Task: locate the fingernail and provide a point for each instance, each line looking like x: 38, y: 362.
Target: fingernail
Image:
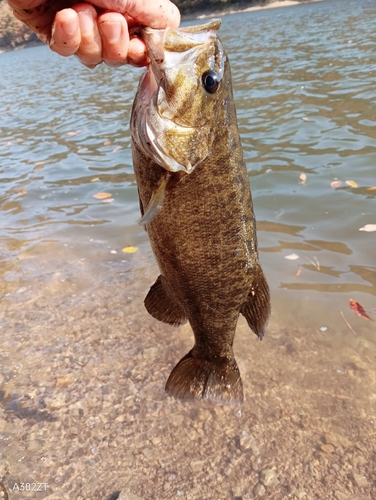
x: 69, y: 26
x: 111, y: 30
x: 86, y: 22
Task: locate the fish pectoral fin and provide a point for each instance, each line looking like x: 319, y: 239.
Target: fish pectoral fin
x: 162, y: 307
x: 197, y: 378
x: 156, y: 201
x: 256, y: 309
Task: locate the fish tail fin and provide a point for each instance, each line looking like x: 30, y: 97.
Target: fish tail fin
x: 197, y: 378
x: 256, y: 309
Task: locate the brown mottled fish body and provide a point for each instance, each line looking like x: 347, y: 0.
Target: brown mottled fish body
x: 197, y: 208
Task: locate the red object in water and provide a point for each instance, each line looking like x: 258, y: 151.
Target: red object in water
x: 358, y: 309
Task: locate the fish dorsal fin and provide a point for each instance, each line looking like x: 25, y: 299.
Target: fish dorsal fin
x: 183, y: 39
x: 213, y: 24
x: 256, y: 309
x: 156, y: 201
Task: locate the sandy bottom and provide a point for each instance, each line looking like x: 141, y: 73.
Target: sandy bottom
x: 83, y: 409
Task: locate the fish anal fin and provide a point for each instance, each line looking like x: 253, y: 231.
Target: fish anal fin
x: 162, y: 307
x: 256, y: 309
x: 197, y: 378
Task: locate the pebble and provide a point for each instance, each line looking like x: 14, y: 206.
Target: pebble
x: 128, y: 495
x: 259, y: 490
x: 268, y: 478
x: 55, y: 401
x: 341, y: 496
x: 360, y: 480
x: 247, y: 441
x: 337, y: 440
x: 197, y: 465
x: 327, y: 448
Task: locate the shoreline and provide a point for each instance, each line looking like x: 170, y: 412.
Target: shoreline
x: 239, y: 8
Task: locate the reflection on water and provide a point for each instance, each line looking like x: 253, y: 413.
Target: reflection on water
x: 82, y: 365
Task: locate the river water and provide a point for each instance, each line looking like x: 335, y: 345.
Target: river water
x: 82, y: 365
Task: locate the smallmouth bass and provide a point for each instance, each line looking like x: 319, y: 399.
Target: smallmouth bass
x: 196, y: 206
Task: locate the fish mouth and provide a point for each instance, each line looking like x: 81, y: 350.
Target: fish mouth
x: 165, y: 46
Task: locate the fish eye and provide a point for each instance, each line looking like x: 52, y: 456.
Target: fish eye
x: 210, y: 81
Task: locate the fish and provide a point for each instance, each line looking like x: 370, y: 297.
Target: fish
x: 196, y: 207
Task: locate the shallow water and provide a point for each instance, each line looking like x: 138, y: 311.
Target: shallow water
x: 82, y: 365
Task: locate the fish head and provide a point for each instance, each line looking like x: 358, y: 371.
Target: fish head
x: 174, y: 117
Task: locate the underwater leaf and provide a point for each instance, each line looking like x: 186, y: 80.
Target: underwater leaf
x: 108, y: 200
x: 129, y: 249
x: 369, y: 228
x: 292, y: 256
x: 107, y: 143
x: 352, y: 184
x: 336, y: 184
x: 373, y: 188
x: 95, y: 179
x: 116, y: 149
x: 22, y: 192
x: 358, y: 309
x: 102, y: 196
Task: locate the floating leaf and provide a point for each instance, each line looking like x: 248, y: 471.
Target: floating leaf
x: 116, y: 149
x: 298, y: 272
x: 336, y: 184
x: 102, y: 196
x: 107, y: 143
x: 95, y: 179
x: 74, y: 133
x: 358, y: 309
x: 373, y: 188
x: 292, y: 256
x: 108, y: 200
x: 113, y: 251
x: 352, y: 184
x: 305, y: 119
x: 129, y: 249
x: 302, y: 178
x: 22, y: 192
x: 369, y: 228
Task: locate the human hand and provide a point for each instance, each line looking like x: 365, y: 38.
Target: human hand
x: 99, y: 31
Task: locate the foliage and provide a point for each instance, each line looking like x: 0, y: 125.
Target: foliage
x: 13, y: 33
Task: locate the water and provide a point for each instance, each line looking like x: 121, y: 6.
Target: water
x: 82, y: 364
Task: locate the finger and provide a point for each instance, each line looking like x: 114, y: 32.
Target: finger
x: 66, y: 34
x: 90, y: 50
x: 113, y: 29
x: 154, y: 13
x: 137, y: 54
